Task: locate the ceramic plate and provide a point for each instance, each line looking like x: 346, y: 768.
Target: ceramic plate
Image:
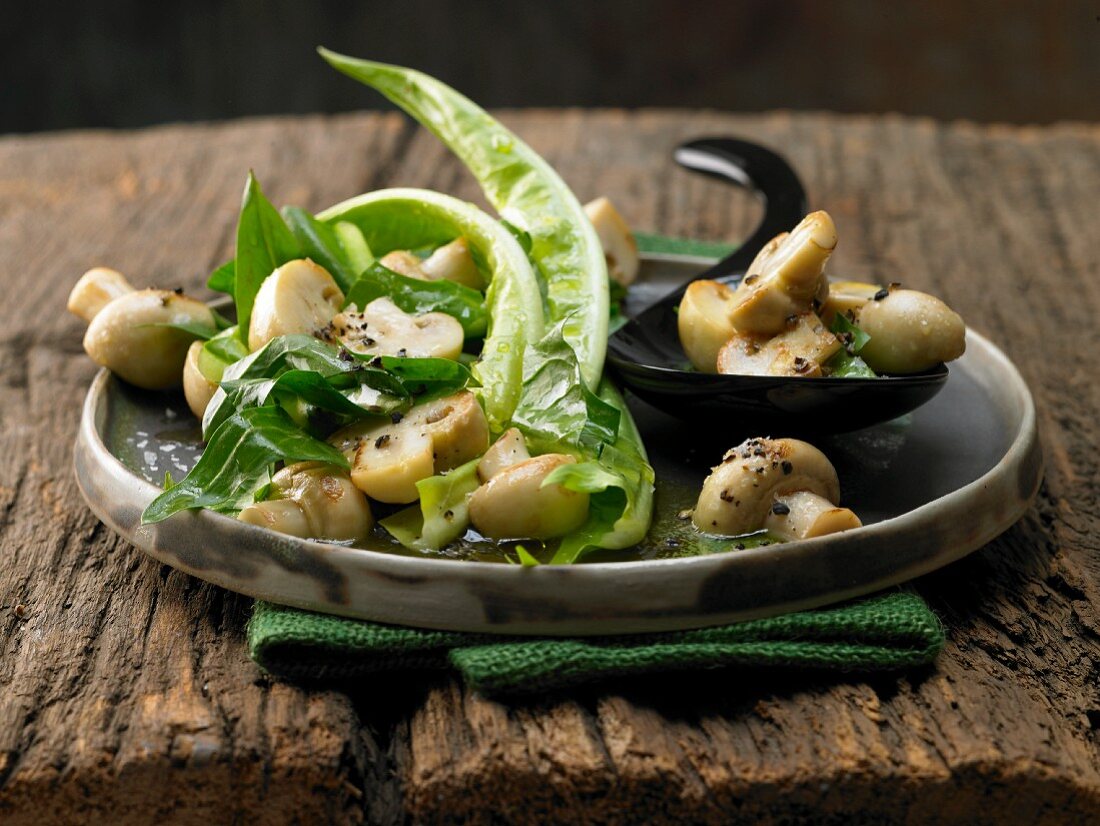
x: 930, y: 488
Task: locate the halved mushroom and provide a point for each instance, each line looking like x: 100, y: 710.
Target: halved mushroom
x: 313, y: 500
x: 847, y: 298
x: 703, y: 320
x: 97, y: 288
x: 513, y: 502
x: 754, y: 481
x: 619, y: 247
x: 803, y: 515
x: 197, y: 388
x: 910, y: 331
x: 388, y: 459
x: 785, y: 278
x: 298, y: 297
x: 129, y: 337
x: 384, y: 329
x: 800, y: 350
x: 451, y: 262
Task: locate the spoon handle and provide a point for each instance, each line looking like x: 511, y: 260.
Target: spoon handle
x: 760, y: 170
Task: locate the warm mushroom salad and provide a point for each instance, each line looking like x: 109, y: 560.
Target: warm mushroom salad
x: 786, y: 319
x: 405, y: 366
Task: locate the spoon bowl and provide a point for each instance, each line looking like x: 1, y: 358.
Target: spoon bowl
x: 647, y: 357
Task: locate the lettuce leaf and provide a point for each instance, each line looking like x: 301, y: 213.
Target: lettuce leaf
x: 443, y: 513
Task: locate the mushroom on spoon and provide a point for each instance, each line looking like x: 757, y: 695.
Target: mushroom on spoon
x: 647, y: 355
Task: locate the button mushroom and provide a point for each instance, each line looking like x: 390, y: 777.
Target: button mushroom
x: 619, y: 247
x: 313, y: 500
x: 786, y: 277
x: 197, y: 388
x: 513, y: 502
x: 385, y: 329
x: 785, y: 485
x: 389, y: 459
x: 97, y: 288
x: 800, y: 350
x: 451, y: 262
x: 298, y: 297
x: 703, y: 320
x: 129, y: 336
x: 910, y: 331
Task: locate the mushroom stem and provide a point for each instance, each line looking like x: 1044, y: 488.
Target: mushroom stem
x: 803, y: 515
x: 97, y: 288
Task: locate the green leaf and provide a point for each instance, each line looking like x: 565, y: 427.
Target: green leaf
x: 525, y: 557
x: 851, y: 336
x: 425, y: 375
x: 237, y: 462
x: 219, y: 352
x: 523, y: 188
x: 620, y: 488
x: 411, y: 218
x: 320, y: 243
x: 354, y: 245
x: 412, y: 295
x: 556, y: 410
x: 846, y: 366
x: 194, y: 328
x: 264, y: 243
x: 224, y: 278
x: 443, y: 513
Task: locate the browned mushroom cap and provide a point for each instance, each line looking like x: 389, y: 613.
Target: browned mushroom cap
x: 619, y: 247
x: 313, y: 500
x: 515, y: 504
x: 800, y: 350
x: 389, y: 458
x: 910, y: 331
x: 298, y: 297
x: 129, y: 336
x: 703, y: 321
x: 739, y: 493
x: 785, y: 278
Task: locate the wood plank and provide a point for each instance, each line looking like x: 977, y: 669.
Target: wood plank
x: 120, y: 678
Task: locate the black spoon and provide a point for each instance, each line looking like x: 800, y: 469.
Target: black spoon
x: 647, y: 357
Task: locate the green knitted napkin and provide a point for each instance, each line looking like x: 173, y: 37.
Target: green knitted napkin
x: 889, y: 632
x: 892, y: 631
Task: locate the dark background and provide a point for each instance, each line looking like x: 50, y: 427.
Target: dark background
x: 126, y: 64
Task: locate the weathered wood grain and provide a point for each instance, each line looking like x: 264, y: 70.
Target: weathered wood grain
x: 125, y: 689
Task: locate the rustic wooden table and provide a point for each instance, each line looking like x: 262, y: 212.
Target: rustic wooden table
x: 127, y: 696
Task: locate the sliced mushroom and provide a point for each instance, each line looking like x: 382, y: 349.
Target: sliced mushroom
x: 298, y: 297
x: 389, y: 459
x: 619, y: 247
x: 95, y: 290
x: 451, y: 262
x: 454, y: 262
x: 847, y: 298
x: 510, y: 449
x: 384, y: 329
x: 786, y: 278
x: 515, y: 504
x: 910, y: 331
x: 803, y: 515
x: 129, y: 337
x: 800, y: 350
x: 740, y: 493
x: 703, y: 320
x: 197, y: 388
x: 313, y: 500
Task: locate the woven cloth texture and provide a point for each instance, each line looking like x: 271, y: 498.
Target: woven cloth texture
x: 893, y: 631
x: 889, y: 632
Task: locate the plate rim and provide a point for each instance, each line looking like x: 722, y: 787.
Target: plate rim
x: 1023, y: 454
